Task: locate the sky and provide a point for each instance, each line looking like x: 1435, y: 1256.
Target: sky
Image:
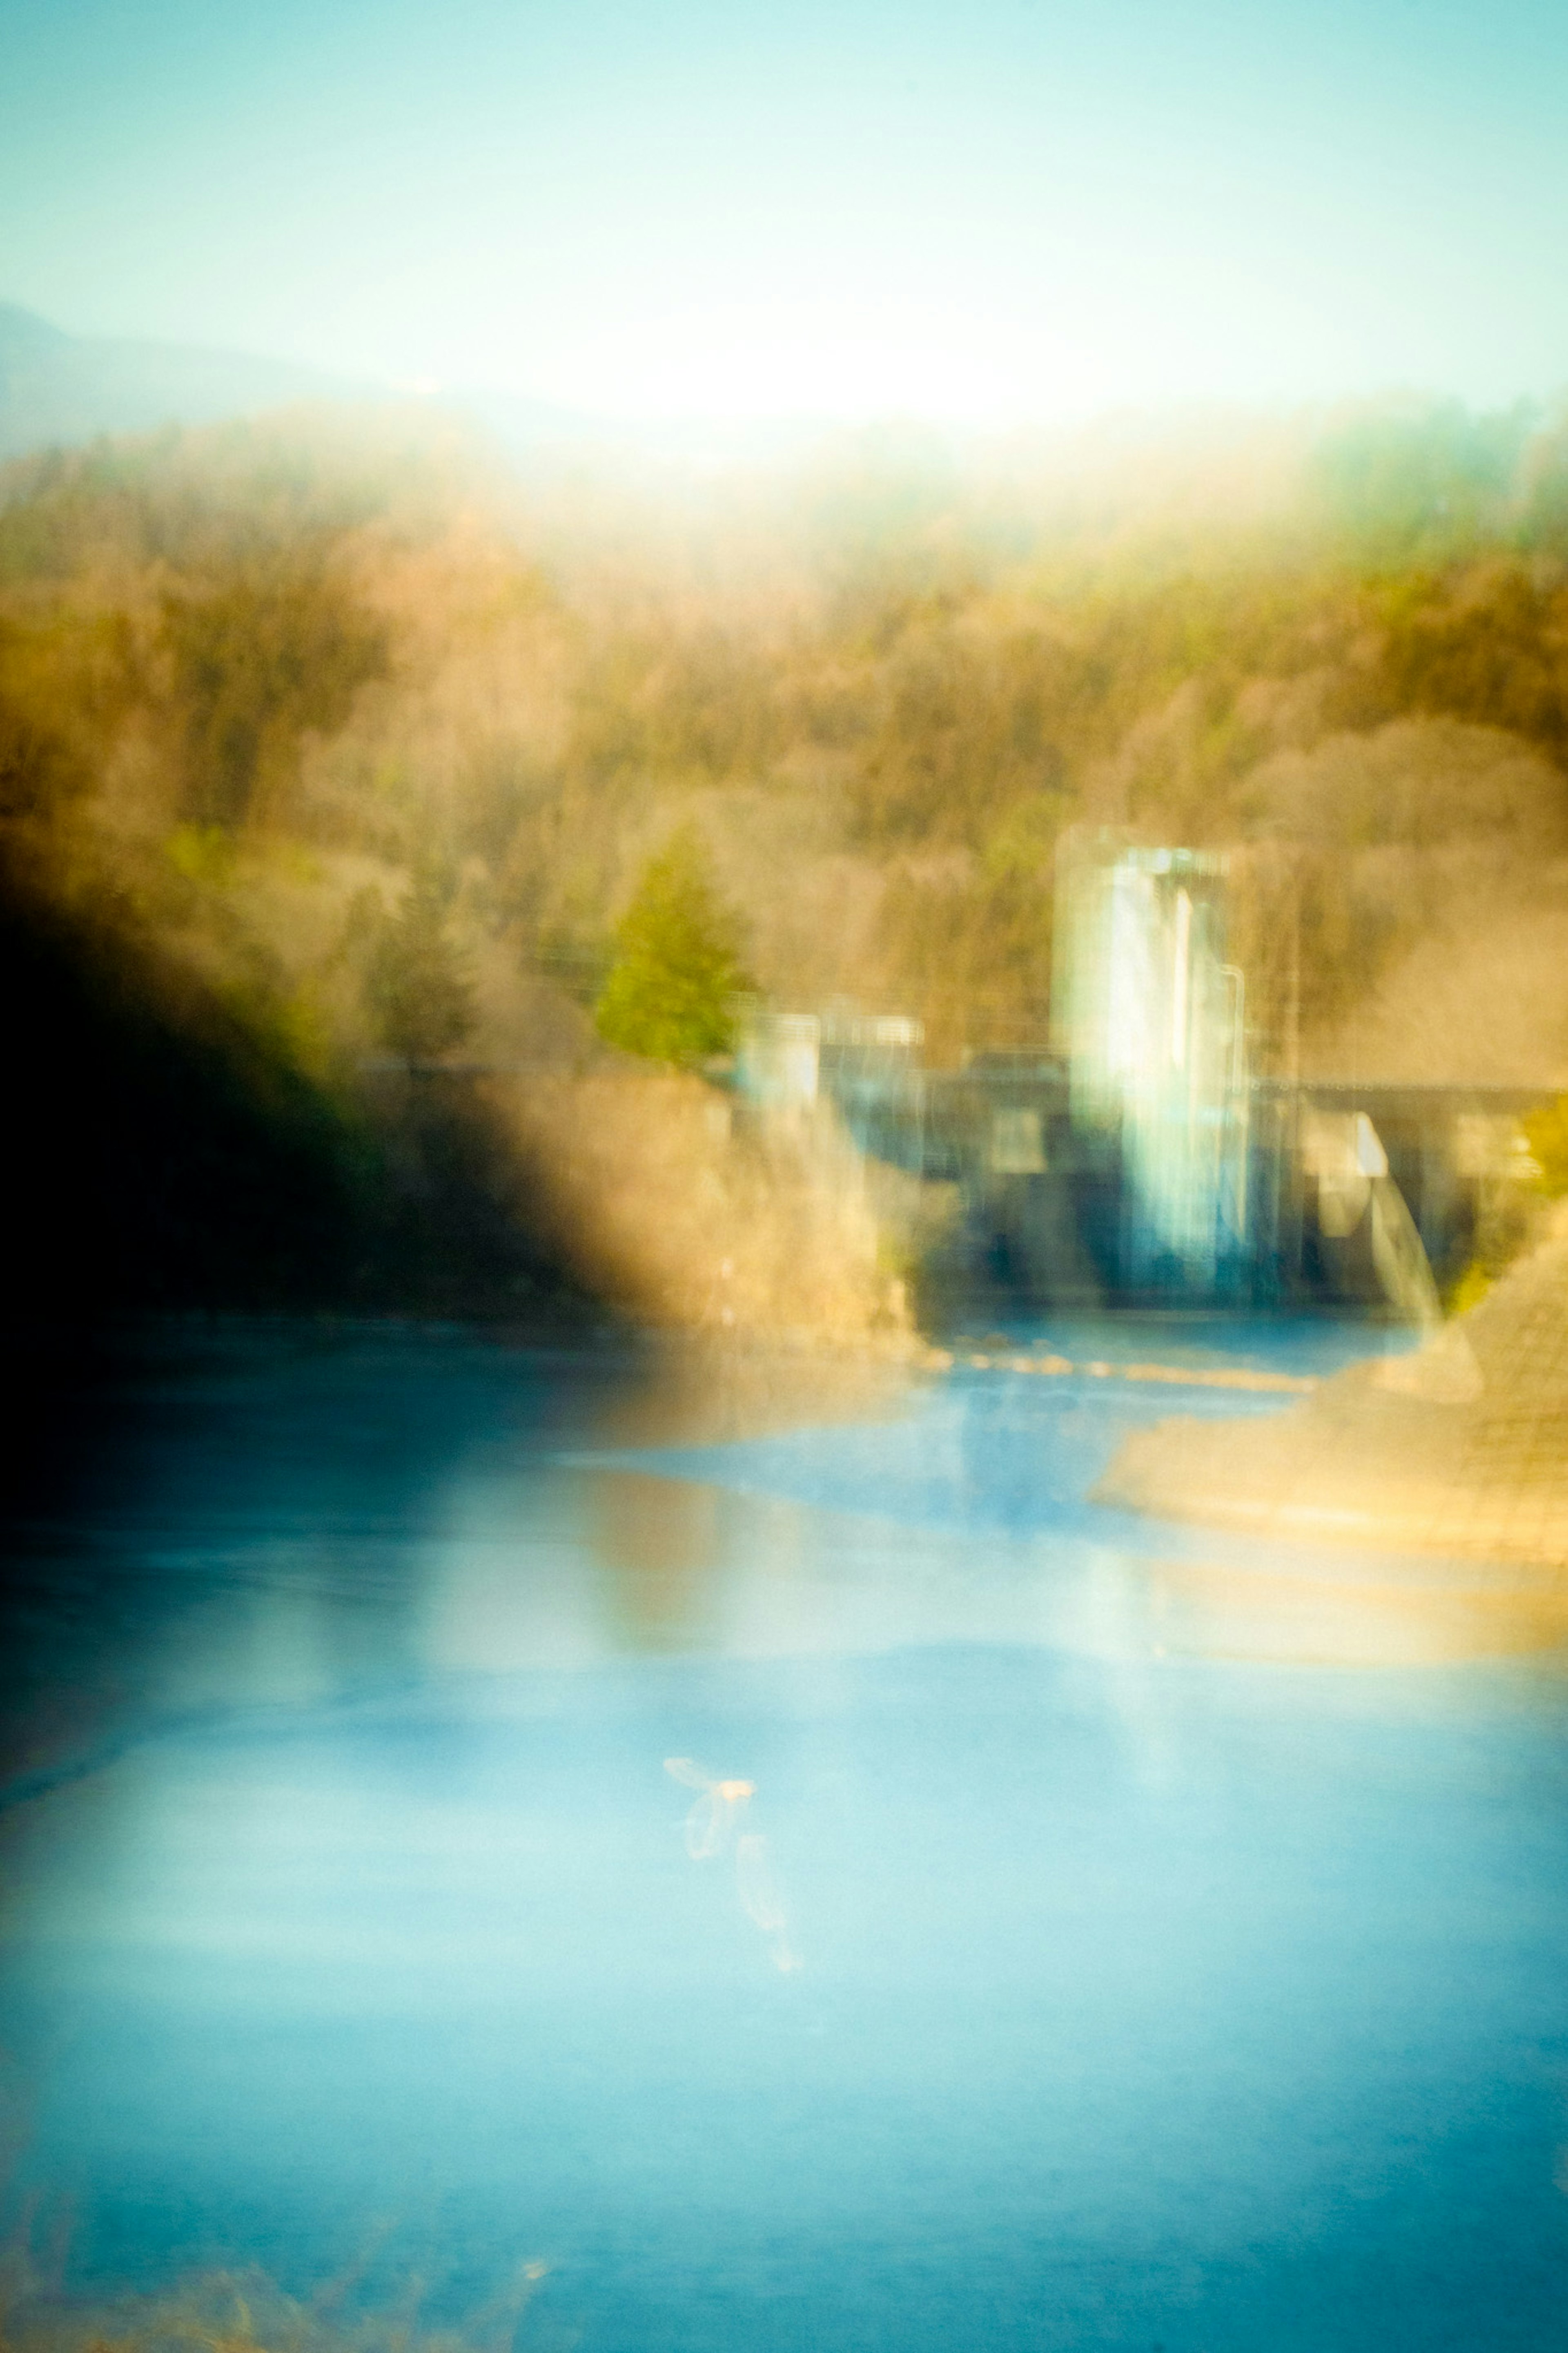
x: 1014, y: 211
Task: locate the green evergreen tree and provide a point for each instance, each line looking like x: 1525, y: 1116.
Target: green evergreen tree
x: 418, y: 992
x: 1547, y: 1133
x: 671, y: 990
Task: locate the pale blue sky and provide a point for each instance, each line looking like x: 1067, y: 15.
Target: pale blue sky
x: 1018, y: 210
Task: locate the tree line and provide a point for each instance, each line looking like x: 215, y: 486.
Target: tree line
x: 383, y: 756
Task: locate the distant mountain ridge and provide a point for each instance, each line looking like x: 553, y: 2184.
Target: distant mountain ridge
x: 56, y: 387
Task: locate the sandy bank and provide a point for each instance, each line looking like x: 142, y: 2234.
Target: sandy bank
x: 1460, y: 1450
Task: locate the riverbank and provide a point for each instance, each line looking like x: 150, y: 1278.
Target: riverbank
x: 1460, y: 1450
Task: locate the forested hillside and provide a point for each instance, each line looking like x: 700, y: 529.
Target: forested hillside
x: 337, y: 744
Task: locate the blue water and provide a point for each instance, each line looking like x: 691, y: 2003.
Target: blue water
x: 1130, y: 1938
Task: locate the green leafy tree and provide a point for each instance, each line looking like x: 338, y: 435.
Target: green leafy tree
x: 418, y: 993
x: 1547, y: 1133
x: 671, y: 990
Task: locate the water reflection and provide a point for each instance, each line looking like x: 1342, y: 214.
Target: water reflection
x: 1139, y: 1966
x: 282, y: 1519
x: 660, y: 1540
x: 709, y: 1394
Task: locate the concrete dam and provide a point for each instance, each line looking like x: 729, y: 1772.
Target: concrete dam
x: 1134, y: 1156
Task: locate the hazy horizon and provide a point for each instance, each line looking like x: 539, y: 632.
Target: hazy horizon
x: 1186, y: 431
x: 679, y: 214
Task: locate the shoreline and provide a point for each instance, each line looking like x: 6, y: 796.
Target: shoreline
x: 1460, y: 1450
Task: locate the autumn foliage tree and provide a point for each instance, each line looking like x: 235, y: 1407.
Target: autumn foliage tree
x: 258, y: 659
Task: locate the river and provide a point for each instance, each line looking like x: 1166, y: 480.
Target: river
x: 1056, y: 1930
